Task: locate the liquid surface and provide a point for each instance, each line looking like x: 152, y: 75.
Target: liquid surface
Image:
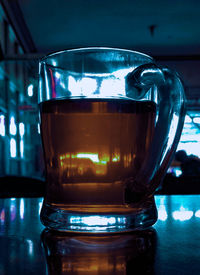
x: 92, y: 147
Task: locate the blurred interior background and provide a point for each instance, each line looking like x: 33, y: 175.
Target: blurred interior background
x: 167, y: 30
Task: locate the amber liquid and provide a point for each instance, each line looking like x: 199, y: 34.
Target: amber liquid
x: 92, y: 147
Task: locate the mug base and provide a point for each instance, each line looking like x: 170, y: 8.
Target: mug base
x: 64, y: 220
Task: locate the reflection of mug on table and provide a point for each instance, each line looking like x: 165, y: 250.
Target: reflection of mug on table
x: 110, y: 122
x: 116, y: 254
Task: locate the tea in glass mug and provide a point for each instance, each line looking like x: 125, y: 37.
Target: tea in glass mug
x: 111, y: 120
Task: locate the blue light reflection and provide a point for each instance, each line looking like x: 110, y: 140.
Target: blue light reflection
x: 2, y: 216
x: 97, y: 220
x: 182, y: 214
x: 30, y: 247
x: 21, y: 209
x: 13, y: 210
x: 178, y: 208
x: 98, y: 223
x: 197, y: 214
x: 162, y: 213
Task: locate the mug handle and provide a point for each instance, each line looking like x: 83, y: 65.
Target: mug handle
x: 168, y: 127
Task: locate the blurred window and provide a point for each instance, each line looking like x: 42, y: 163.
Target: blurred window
x: 190, y: 138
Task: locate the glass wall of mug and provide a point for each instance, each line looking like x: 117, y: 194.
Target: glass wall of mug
x: 111, y: 120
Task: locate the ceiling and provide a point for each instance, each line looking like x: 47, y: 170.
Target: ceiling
x: 155, y: 27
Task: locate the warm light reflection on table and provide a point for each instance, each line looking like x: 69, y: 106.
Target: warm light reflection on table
x: 176, y: 251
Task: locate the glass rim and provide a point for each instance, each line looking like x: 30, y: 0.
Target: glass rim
x: 88, y: 49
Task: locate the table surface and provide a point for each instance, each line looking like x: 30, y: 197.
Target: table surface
x: 171, y: 246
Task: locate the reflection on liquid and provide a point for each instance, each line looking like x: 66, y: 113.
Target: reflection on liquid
x: 97, y: 163
x: 92, y: 254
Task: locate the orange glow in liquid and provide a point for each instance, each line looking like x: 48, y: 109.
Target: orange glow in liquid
x: 92, y: 146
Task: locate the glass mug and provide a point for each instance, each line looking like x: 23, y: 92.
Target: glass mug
x: 111, y: 120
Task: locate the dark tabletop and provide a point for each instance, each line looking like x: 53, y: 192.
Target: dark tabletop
x: 171, y: 246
